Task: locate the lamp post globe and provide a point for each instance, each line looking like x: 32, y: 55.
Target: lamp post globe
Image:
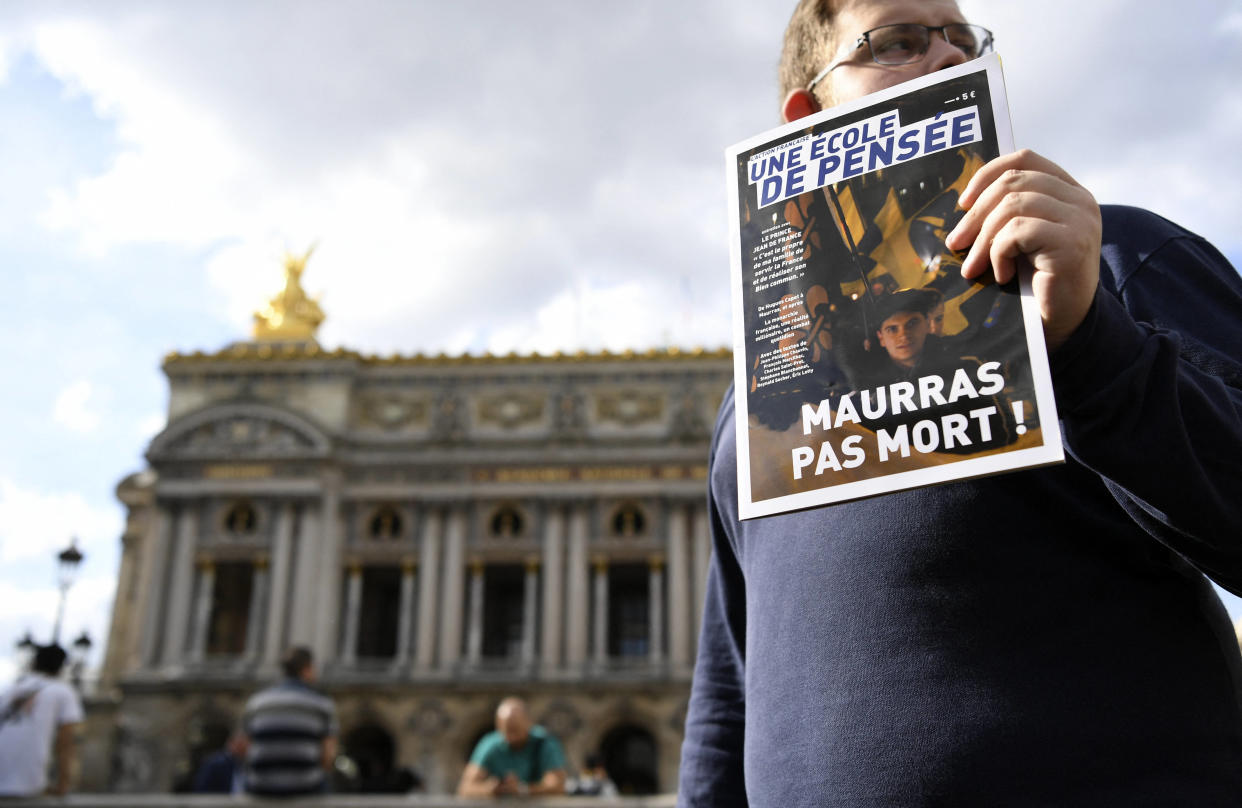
x: 68, y: 561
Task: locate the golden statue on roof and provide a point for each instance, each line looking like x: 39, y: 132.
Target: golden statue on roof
x: 290, y: 315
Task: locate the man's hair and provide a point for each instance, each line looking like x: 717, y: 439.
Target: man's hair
x: 513, y: 704
x: 807, y: 36
x: 49, y: 659
x: 915, y: 301
x: 296, y: 660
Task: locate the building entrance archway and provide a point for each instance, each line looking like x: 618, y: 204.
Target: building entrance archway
x: 373, y: 751
x: 630, y: 757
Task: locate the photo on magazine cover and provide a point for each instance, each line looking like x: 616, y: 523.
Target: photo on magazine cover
x: 866, y: 362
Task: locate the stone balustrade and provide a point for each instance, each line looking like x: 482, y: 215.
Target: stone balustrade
x: 336, y: 801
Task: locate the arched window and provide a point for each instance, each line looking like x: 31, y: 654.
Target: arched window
x: 385, y: 524
x: 373, y: 751
x: 628, y: 521
x: 629, y: 754
x: 241, y: 519
x: 507, y: 523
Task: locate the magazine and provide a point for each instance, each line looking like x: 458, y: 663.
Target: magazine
x: 864, y: 363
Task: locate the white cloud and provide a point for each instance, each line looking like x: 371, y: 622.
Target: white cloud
x: 88, y: 608
x: 27, y: 603
x: 6, y: 56
x: 447, y: 204
x: 150, y: 426
x: 34, y: 527
x: 613, y: 319
x: 179, y: 164
x: 72, y: 408
x: 38, y: 524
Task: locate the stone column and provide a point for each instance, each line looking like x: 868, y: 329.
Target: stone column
x: 353, y: 612
x: 578, y: 605
x: 154, y: 583
x: 177, y: 618
x: 529, y: 605
x: 202, y: 608
x: 118, y: 656
x: 273, y: 635
x: 454, y: 562
x: 655, y: 610
x: 600, y: 648
x: 405, y: 612
x: 305, y: 580
x: 424, y: 657
x: 127, y: 641
x: 679, y: 590
x: 702, y: 557
x: 474, y: 639
x: 327, y: 600
x: 258, y: 606
x: 553, y: 594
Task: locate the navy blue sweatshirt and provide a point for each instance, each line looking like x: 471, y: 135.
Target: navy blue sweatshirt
x: 1039, y: 638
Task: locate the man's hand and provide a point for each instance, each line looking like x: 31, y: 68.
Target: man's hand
x: 510, y: 785
x: 1022, y: 209
x: 327, y: 753
x: 65, y: 750
x: 476, y: 782
x: 553, y: 782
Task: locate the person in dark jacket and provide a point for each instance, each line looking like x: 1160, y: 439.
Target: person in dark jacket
x: 1045, y: 637
x: 223, y: 771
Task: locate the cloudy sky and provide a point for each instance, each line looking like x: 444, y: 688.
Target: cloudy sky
x: 478, y: 176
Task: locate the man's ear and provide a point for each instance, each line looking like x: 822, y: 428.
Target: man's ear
x: 798, y: 104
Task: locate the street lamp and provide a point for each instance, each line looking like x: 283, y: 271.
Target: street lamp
x: 67, y: 566
x: 67, y: 563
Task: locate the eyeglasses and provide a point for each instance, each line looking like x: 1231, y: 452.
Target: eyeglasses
x: 907, y: 42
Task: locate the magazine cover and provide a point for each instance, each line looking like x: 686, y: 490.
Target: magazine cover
x: 863, y: 362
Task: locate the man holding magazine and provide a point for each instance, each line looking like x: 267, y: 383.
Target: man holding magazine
x: 1045, y: 637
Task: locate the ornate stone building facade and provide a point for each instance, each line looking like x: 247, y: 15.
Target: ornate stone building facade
x: 441, y: 531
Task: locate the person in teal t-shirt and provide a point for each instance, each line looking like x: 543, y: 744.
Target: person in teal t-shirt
x: 519, y: 757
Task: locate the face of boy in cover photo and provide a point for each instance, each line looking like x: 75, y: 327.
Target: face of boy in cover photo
x: 903, y: 336
x: 935, y: 319
x: 860, y: 75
